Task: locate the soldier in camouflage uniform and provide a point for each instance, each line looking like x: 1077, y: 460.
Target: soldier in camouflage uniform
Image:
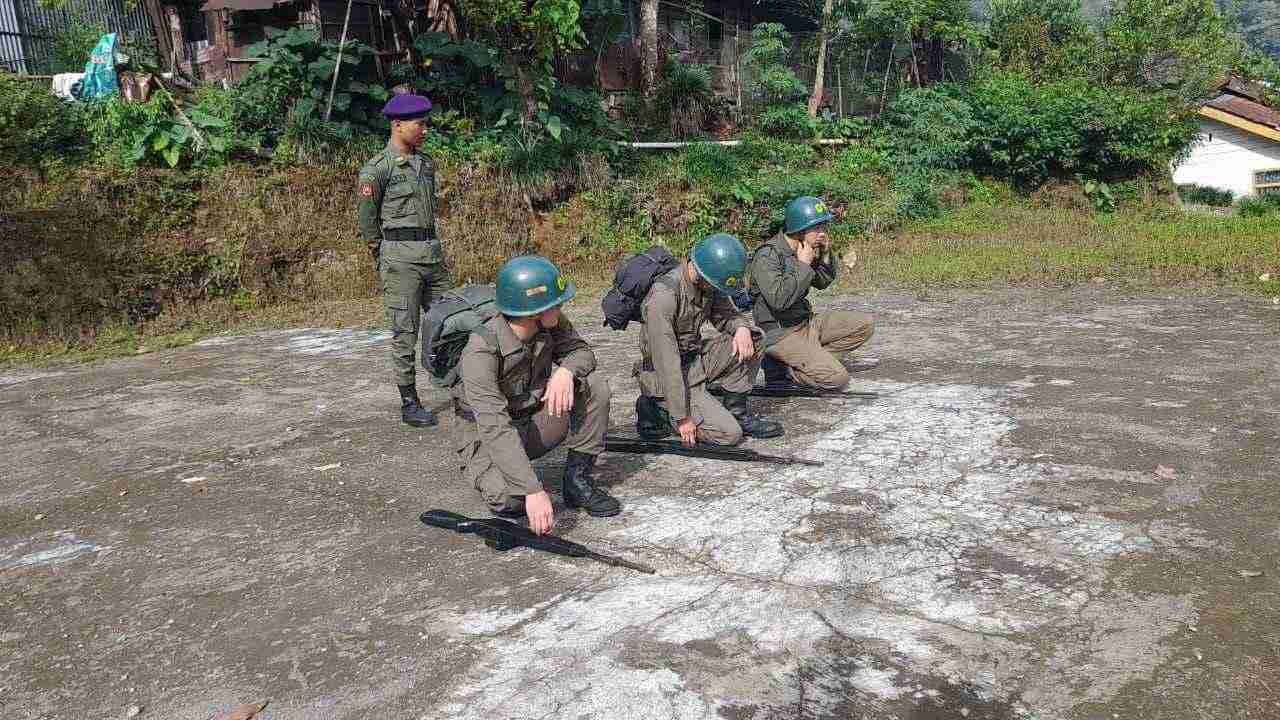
x: 695, y: 387
x: 397, y: 207
x: 529, y: 383
x: 801, y: 343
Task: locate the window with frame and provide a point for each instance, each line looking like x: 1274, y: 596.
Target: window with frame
x: 1267, y: 182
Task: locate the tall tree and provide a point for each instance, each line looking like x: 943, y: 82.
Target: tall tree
x: 820, y: 71
x: 648, y: 47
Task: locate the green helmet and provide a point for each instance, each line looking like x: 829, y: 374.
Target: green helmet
x: 529, y: 284
x: 805, y: 212
x: 721, y: 260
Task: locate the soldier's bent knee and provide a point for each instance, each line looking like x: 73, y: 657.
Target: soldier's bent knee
x: 598, y: 386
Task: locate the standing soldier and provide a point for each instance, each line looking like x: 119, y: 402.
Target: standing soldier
x: 800, y: 342
x: 679, y: 371
x: 398, y: 222
x: 528, y: 384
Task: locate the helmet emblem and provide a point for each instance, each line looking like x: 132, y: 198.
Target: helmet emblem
x: 560, y: 282
x: 731, y: 281
x: 820, y: 207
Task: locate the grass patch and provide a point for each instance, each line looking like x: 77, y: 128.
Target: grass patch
x: 990, y: 245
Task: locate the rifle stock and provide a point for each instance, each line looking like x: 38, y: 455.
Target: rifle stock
x: 443, y: 519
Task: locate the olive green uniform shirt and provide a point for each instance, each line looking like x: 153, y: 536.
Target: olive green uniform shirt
x: 780, y: 283
x: 399, y: 191
x: 496, y: 398
x: 673, y: 314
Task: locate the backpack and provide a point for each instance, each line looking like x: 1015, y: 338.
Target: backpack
x: 631, y: 284
x: 448, y: 326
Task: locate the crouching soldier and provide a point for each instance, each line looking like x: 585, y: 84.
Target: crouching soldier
x: 679, y: 371
x: 800, y: 342
x: 528, y: 384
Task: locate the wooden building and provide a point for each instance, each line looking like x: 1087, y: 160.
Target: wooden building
x: 216, y: 38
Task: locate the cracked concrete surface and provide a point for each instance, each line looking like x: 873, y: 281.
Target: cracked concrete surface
x: 237, y: 520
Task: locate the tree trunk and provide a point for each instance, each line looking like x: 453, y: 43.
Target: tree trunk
x: 648, y: 47
x: 525, y: 84
x: 820, y: 72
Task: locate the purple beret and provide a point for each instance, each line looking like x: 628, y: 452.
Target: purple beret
x: 406, y: 107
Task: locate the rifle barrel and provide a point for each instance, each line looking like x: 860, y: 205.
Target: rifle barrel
x: 615, y: 443
x: 619, y: 562
x: 770, y: 391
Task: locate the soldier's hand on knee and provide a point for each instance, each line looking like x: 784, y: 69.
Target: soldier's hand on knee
x: 542, y: 516
x: 688, y: 431
x: 560, y: 393
x: 743, y: 345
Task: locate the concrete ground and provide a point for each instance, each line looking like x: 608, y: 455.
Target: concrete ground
x: 1064, y: 505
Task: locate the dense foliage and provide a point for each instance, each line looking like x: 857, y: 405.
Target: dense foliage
x: 35, y: 126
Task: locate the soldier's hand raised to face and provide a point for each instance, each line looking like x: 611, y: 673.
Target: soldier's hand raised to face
x: 560, y: 392
x: 742, y: 344
x: 806, y: 252
x: 542, y: 517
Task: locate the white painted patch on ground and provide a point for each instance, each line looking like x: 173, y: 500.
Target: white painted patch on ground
x: 217, y: 341
x: 26, y: 376
x: 915, y: 570
x: 61, y: 547
x: 331, y: 342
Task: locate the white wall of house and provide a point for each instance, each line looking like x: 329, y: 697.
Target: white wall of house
x: 1227, y: 158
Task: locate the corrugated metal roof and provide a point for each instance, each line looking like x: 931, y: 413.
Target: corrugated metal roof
x: 1247, y: 109
x: 238, y: 5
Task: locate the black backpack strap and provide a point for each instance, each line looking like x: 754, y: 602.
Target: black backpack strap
x: 492, y: 338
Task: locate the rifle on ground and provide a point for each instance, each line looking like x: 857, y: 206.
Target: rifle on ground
x: 617, y: 443
x: 503, y: 535
x: 789, y: 391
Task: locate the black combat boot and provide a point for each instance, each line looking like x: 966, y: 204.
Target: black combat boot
x: 411, y: 410
x: 775, y: 373
x: 581, y: 492
x: 752, y: 425
x: 653, y: 422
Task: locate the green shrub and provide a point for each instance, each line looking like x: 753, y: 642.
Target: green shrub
x: 35, y: 125
x: 859, y: 159
x: 683, y: 98
x: 1031, y: 133
x: 787, y: 121
x: 705, y: 162
x: 1259, y: 206
x: 775, y: 89
x: 762, y: 151
x: 830, y: 126
x: 931, y: 127
x: 151, y: 133
x: 1204, y: 195
x: 292, y: 78
x: 916, y: 193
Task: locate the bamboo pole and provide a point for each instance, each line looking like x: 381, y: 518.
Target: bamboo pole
x: 885, y: 88
x: 333, y: 88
